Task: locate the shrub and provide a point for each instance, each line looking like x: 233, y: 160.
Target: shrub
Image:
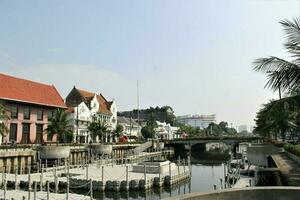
x: 294, y: 149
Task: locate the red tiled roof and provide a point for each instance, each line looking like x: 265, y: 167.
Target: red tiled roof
x: 17, y: 89
x: 103, y: 103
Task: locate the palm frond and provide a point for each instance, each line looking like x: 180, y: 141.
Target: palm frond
x: 281, y: 73
x: 292, y: 30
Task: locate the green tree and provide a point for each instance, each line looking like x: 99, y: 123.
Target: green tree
x: 60, y: 125
x: 3, y: 118
x: 284, y: 75
x: 98, y: 128
x: 148, y: 131
x: 118, y: 130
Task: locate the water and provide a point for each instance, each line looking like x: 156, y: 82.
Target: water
x: 203, y: 179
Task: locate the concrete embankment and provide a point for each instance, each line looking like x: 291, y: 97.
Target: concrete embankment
x: 252, y: 193
x: 289, y: 168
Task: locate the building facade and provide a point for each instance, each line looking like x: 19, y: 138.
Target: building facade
x: 29, y: 106
x: 200, y: 121
x: 130, y: 127
x: 83, y: 106
x: 165, y: 131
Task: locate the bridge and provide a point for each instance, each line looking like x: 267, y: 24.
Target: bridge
x: 202, y: 140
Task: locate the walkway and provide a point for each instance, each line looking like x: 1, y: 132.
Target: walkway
x: 289, y: 169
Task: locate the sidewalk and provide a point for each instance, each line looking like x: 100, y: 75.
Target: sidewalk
x: 289, y: 169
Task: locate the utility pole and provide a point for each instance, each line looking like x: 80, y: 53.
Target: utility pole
x: 138, y: 102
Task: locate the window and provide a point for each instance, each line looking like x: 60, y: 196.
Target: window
x: 13, y: 132
x: 40, y: 115
x: 25, y: 133
x: 39, y: 133
x: 14, y: 112
x: 50, y: 114
x: 26, y: 113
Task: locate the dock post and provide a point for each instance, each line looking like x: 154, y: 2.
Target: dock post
x: 87, y: 172
x: 221, y: 183
x: 5, y: 185
x: 41, y: 179
x: 55, y: 179
x: 170, y: 174
x: 145, y: 176
x: 178, y: 167
x: 183, y: 165
x: 35, y: 188
x: 16, y: 179
x: 68, y: 182
x: 46, y: 161
x: 127, y: 183
x: 91, y: 189
x: 48, y: 188
x: 29, y: 185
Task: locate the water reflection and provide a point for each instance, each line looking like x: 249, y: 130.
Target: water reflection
x: 207, y: 169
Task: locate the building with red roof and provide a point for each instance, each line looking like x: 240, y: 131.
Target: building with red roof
x: 29, y: 105
x: 89, y: 105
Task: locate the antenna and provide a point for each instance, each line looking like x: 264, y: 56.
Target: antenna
x: 138, y: 101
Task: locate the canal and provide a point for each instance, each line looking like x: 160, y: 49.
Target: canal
x: 207, y: 169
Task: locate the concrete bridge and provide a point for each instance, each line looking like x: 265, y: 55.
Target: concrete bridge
x: 203, y: 140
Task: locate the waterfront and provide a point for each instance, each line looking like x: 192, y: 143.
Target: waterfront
x: 203, y: 179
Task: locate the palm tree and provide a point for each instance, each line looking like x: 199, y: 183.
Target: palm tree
x: 59, y: 124
x: 3, y: 118
x: 284, y: 75
x: 97, y: 128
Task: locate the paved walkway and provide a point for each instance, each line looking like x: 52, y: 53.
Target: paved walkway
x: 289, y: 169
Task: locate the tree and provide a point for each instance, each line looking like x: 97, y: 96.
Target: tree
x: 148, y: 131
x: 98, y: 128
x: 3, y: 118
x: 59, y: 124
x: 284, y: 75
x: 119, y: 130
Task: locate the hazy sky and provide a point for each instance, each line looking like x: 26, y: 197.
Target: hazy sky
x: 194, y: 55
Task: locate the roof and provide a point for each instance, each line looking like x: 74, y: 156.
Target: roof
x: 125, y: 120
x: 104, y: 105
x: 26, y: 91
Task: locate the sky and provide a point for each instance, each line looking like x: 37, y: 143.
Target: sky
x: 193, y: 55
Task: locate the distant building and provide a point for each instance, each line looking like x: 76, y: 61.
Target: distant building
x: 29, y: 106
x: 200, y: 121
x: 166, y: 131
x: 130, y: 127
x: 242, y: 128
x: 83, y: 106
x: 251, y: 128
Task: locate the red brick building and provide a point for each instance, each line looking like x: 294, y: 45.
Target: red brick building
x: 29, y: 105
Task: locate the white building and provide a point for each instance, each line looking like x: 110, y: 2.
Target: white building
x: 83, y: 106
x: 165, y: 131
x: 130, y: 127
x: 200, y: 121
x: 243, y: 128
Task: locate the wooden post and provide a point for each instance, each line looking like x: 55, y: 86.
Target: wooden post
x: 5, y: 186
x: 55, y: 179
x: 35, y: 188
x: 91, y: 189
x: 87, y: 172
x: 41, y: 180
x: 102, y: 178
x: 178, y: 166
x: 183, y: 165
x: 48, y: 188
x: 29, y: 185
x: 68, y: 182
x: 145, y: 175
x: 170, y: 173
x: 127, y: 175
x: 16, y: 179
